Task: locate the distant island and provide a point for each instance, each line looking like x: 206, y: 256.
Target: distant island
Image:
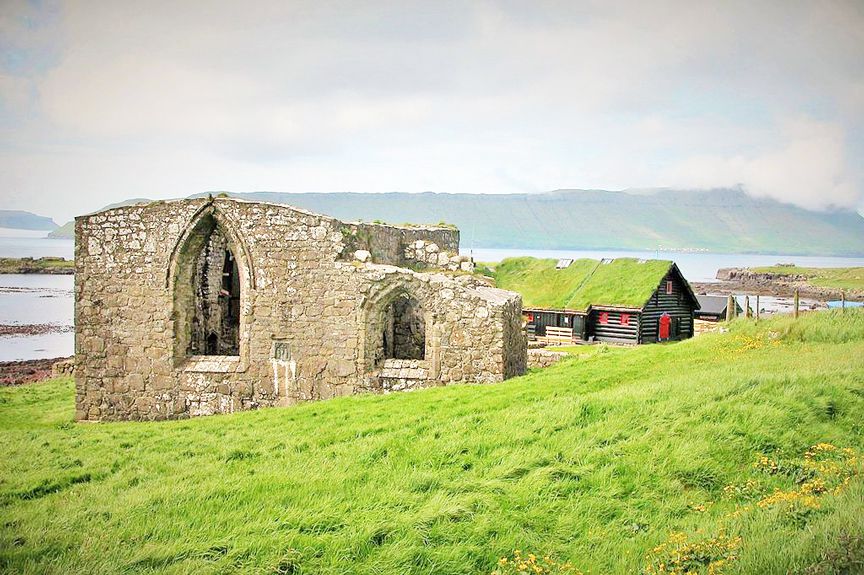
x: 20, y: 220
x: 64, y: 232
x: 45, y: 265
x: 720, y: 221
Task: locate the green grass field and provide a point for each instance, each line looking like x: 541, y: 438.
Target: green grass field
x: 838, y: 278
x: 618, y: 461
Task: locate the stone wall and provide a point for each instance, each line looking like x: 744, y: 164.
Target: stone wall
x: 64, y: 367
x: 311, y: 316
x: 407, y: 246
x: 539, y: 358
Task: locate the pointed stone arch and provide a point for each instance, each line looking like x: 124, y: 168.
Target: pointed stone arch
x: 211, y: 279
x: 211, y: 210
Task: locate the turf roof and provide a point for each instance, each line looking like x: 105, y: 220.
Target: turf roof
x: 624, y: 282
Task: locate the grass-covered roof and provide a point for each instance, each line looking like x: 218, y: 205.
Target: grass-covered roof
x: 623, y: 282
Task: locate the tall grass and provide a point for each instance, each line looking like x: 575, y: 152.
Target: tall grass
x: 597, y: 461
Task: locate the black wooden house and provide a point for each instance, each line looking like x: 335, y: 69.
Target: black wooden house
x: 624, y: 300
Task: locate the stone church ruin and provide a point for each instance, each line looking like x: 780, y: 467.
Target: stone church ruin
x: 196, y: 307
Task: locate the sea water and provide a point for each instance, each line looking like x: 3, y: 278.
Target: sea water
x: 42, y: 300
x: 48, y: 299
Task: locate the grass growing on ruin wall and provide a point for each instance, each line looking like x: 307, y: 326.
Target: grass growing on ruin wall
x: 696, y: 453
x: 837, y: 278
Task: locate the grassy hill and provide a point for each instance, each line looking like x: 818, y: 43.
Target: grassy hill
x: 64, y: 232
x: 617, y: 460
x: 715, y: 220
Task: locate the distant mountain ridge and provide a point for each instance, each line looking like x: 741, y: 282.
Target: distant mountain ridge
x: 726, y: 220
x: 21, y: 220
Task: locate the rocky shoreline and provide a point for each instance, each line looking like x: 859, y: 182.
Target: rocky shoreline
x: 46, y: 265
x: 33, y: 370
x: 740, y: 281
x: 33, y: 329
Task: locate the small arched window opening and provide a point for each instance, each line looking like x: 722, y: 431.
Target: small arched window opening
x: 217, y: 299
x: 404, y: 334
x: 207, y: 293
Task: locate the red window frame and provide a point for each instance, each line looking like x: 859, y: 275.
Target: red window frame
x: 668, y: 287
x: 530, y: 317
x: 603, y: 317
x: 625, y: 319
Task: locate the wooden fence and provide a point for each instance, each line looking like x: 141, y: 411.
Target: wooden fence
x: 559, y: 334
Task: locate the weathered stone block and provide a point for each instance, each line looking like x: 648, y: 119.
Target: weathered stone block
x: 133, y: 382
x: 362, y: 255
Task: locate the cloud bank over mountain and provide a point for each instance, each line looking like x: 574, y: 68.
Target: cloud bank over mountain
x: 103, y: 101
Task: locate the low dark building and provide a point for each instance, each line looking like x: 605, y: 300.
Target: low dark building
x: 620, y: 301
x: 713, y: 307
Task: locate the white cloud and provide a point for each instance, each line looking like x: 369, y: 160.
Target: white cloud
x: 164, y: 98
x: 808, y: 167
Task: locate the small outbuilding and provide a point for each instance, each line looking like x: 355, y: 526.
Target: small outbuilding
x: 713, y: 308
x: 623, y: 300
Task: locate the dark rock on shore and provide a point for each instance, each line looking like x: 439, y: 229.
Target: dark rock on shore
x: 747, y: 281
x: 29, y: 371
x: 33, y: 329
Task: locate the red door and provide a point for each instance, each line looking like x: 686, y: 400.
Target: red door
x: 663, y: 330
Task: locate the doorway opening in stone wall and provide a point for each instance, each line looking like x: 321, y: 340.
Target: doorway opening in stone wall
x: 207, y: 293
x: 404, y: 330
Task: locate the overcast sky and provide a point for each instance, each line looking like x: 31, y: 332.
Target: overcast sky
x: 102, y: 101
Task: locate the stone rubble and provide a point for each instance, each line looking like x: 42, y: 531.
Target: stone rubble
x: 539, y: 358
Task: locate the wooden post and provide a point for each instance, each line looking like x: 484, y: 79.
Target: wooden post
x: 747, y: 306
x: 842, y: 301
x: 757, y: 308
x: 730, y: 308
x: 795, y: 312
